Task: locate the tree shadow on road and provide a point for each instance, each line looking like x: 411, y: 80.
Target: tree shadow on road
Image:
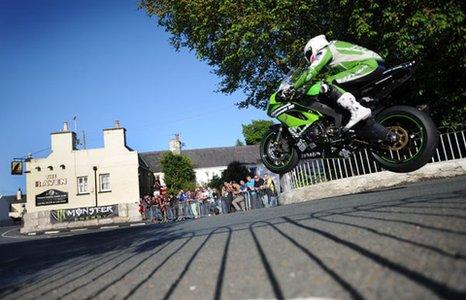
x: 272, y: 278
x: 73, y: 263
x: 436, y: 287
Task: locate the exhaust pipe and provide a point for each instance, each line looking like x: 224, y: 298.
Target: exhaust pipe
x: 374, y: 131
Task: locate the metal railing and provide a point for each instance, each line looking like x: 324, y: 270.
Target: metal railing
x: 452, y: 145
x: 194, y: 208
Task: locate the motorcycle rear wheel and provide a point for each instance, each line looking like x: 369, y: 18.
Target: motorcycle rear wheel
x: 279, y: 156
x: 416, y: 143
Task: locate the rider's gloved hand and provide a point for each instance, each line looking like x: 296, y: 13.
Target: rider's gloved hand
x: 290, y: 94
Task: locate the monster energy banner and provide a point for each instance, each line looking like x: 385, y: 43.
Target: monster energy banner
x: 51, y: 197
x: 83, y: 213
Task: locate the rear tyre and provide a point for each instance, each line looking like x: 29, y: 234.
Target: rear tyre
x: 278, y: 155
x: 417, y: 139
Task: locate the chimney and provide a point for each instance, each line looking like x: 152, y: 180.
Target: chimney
x: 175, y: 144
x: 64, y: 140
x: 115, y: 137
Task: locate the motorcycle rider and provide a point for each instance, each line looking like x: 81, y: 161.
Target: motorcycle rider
x: 348, y: 64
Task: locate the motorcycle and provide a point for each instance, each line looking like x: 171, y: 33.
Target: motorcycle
x: 400, y: 138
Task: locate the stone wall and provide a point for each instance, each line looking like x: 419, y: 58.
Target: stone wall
x: 373, y: 181
x: 40, y: 221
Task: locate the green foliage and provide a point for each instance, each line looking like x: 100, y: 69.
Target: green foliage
x: 179, y: 173
x: 244, y: 41
x: 235, y: 172
x: 318, y: 178
x: 254, y: 132
x: 239, y: 143
x: 216, y: 182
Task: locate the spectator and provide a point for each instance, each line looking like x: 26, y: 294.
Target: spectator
x: 244, y: 190
x: 216, y: 202
x: 259, y: 187
x: 182, y: 205
x: 193, y: 204
x: 174, y: 208
x: 253, y: 199
x: 271, y: 190
x: 231, y: 189
x: 142, y: 208
x: 203, y: 202
x: 238, y: 198
x: 152, y: 208
x: 226, y: 192
x: 168, y: 213
x: 250, y: 183
x: 157, y: 186
x: 163, y: 191
x: 199, y: 195
x: 158, y: 213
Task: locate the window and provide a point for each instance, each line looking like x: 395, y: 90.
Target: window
x: 104, y: 182
x: 82, y: 185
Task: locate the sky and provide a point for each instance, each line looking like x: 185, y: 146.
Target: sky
x: 103, y: 61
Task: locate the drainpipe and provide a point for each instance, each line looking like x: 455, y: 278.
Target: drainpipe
x: 95, y: 184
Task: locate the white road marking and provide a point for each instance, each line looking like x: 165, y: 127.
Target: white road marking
x: 52, y: 232
x: 137, y: 224
x: 109, y: 227
x: 13, y: 237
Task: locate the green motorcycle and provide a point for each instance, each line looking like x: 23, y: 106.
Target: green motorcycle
x: 400, y: 138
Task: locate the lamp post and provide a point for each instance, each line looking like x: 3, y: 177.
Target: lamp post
x: 95, y: 184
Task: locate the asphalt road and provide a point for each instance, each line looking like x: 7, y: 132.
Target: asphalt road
x: 407, y: 242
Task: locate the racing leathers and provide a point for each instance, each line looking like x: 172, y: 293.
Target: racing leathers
x: 346, y: 63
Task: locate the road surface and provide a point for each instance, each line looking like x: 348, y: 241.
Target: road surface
x: 407, y: 242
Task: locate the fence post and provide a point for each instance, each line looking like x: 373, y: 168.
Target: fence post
x: 285, y: 184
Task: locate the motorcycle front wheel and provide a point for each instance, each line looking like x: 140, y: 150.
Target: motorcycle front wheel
x: 417, y: 139
x: 277, y: 152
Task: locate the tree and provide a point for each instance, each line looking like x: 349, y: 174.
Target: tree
x: 245, y: 41
x: 239, y: 143
x: 235, y: 171
x: 178, y: 171
x: 216, y: 182
x: 254, y: 132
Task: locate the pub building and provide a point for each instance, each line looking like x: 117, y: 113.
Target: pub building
x: 85, y: 187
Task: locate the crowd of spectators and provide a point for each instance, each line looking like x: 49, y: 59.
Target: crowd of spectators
x: 250, y: 193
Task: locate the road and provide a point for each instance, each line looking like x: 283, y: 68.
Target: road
x: 407, y: 242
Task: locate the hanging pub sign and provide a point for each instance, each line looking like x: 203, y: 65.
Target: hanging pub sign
x: 51, y: 197
x: 16, y: 167
x: 83, y: 213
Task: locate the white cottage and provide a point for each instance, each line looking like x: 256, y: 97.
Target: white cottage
x: 80, y: 187
x: 207, y: 162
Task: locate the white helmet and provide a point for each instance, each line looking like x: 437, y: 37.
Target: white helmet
x: 313, y: 46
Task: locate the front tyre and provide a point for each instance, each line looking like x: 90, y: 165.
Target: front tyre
x: 417, y: 139
x: 277, y: 151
